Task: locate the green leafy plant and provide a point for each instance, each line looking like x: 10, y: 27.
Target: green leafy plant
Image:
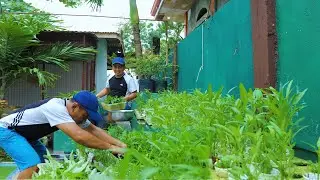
x: 95, y: 4
x: 316, y: 167
x: 67, y: 95
x: 250, y: 126
x: 4, y: 157
x: 81, y: 167
x: 168, y: 32
x: 144, y: 66
x: 150, y: 66
x: 250, y: 136
x: 113, y: 100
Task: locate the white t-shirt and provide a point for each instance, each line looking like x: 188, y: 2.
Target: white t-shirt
x: 40, y: 119
x: 121, y: 86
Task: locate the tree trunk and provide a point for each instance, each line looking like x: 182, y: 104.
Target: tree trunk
x: 134, y: 17
x: 137, y: 41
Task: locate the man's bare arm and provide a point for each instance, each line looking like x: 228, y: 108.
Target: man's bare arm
x: 102, y: 135
x: 83, y: 137
x: 131, y: 96
x: 103, y: 92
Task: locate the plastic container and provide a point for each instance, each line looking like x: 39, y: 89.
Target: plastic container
x: 160, y: 85
x: 122, y: 115
x: 113, y: 107
x: 146, y: 85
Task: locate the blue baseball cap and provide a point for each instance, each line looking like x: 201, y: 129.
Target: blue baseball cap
x: 90, y: 103
x: 118, y: 60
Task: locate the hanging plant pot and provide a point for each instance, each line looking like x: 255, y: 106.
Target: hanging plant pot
x: 160, y: 85
x: 146, y: 84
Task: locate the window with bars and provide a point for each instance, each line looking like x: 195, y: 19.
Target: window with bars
x: 203, y: 12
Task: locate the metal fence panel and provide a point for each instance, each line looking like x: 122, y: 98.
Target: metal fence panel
x: 218, y: 52
x: 69, y: 80
x: 23, y: 91
x: 298, y: 28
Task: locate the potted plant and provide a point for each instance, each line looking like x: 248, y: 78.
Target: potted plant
x: 145, y: 68
x: 152, y: 71
x: 164, y: 71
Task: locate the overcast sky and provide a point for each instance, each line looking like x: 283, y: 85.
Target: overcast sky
x: 98, y: 24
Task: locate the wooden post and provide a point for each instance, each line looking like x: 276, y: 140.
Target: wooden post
x: 264, y: 39
x: 167, y: 47
x: 212, y: 7
x: 175, y: 68
x: 186, y: 24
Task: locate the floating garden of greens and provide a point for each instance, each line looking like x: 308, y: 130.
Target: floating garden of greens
x: 201, y: 136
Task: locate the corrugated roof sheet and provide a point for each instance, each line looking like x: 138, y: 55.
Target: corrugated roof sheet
x: 71, y: 31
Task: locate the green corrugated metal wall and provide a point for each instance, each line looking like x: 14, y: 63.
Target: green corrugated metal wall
x: 225, y: 42
x: 298, y: 25
x: 62, y: 142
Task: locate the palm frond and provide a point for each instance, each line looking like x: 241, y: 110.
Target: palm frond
x: 44, y: 78
x: 95, y: 4
x: 13, y: 41
x: 21, y: 51
x: 60, y: 53
x: 31, y: 23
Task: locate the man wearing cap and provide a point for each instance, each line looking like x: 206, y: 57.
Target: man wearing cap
x: 120, y: 84
x: 21, y: 130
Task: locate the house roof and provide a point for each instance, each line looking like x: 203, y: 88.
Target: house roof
x: 98, y: 34
x: 114, y: 40
x: 171, y: 9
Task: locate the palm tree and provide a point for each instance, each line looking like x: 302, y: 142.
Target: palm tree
x: 95, y: 4
x: 21, y: 53
x: 134, y: 18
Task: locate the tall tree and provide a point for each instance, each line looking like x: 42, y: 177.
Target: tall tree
x: 134, y: 18
x: 172, y: 30
x: 148, y: 30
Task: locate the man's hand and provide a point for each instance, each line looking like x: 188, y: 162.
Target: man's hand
x: 102, y: 135
x: 116, y: 150
x: 122, y: 145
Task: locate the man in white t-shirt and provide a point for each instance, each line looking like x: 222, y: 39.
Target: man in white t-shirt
x: 20, y: 131
x: 119, y: 84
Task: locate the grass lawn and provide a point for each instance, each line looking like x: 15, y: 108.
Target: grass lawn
x: 5, y: 171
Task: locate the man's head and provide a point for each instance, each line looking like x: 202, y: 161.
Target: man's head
x: 84, y: 106
x: 118, y: 66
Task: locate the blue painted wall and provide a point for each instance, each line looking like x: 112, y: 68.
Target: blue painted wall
x: 101, y: 65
